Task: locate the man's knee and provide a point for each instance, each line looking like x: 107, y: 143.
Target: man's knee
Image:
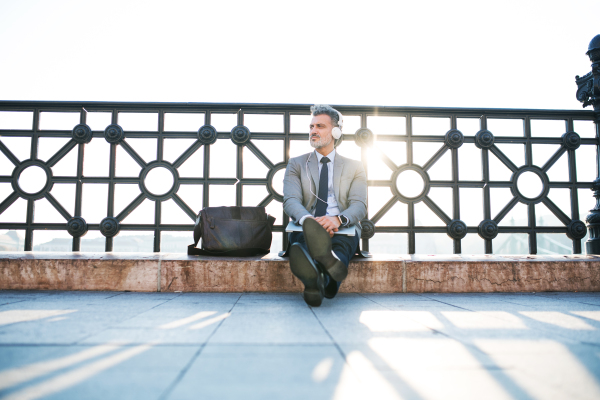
x: 297, y: 237
x: 344, y: 247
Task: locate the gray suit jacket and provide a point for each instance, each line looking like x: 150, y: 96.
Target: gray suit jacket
x: 349, y: 184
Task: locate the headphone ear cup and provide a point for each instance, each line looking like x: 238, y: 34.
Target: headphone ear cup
x: 336, y: 133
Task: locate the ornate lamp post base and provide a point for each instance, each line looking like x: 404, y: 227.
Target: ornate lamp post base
x: 588, y: 92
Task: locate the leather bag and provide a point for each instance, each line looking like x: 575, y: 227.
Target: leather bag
x: 232, y: 231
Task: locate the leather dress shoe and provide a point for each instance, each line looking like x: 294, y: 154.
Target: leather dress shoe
x: 331, y: 289
x: 304, y: 268
x: 318, y: 242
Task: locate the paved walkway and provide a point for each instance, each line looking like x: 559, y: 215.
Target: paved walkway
x: 115, y: 345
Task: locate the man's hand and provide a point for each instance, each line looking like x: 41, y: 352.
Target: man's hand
x: 331, y: 224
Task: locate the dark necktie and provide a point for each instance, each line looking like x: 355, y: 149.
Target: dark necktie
x: 323, y: 189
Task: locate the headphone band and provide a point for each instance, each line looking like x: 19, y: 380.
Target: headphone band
x: 341, y: 119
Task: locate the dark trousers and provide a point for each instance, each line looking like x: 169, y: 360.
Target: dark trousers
x: 343, y: 246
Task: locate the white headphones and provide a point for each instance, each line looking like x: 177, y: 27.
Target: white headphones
x: 336, y: 132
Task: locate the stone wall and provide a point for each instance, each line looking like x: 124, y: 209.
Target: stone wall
x: 168, y: 272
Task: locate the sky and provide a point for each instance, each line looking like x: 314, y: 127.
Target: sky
x: 509, y: 54
x: 484, y: 54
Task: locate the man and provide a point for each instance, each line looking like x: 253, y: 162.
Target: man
x: 323, y: 191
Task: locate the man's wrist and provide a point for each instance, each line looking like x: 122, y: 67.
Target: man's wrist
x: 344, y: 221
x: 301, y: 220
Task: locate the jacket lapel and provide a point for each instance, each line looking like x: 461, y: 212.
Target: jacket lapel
x: 313, y: 167
x: 338, y: 166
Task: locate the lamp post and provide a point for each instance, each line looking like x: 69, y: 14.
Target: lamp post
x: 588, y: 92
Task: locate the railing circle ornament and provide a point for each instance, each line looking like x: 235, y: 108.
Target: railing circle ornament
x: 240, y: 135
x: 364, y: 137
x: 457, y: 229
x: 525, y: 174
x: 576, y: 229
x: 114, y: 134
x: 487, y: 229
x: 82, y: 134
x: 207, y: 134
x: 77, y: 227
x: 38, y: 191
x: 410, y: 181
x: 162, y: 194
x: 484, y: 139
x: 571, y: 140
x: 110, y: 227
x: 454, y: 138
x: 33, y: 179
x: 275, y: 193
x: 368, y: 229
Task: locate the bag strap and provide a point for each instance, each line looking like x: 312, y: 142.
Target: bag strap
x: 198, y: 229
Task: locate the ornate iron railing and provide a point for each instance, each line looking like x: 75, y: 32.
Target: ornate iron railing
x: 398, y: 138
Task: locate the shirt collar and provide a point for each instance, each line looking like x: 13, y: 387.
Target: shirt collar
x: 331, y: 156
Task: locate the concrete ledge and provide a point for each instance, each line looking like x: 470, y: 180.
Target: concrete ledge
x: 169, y: 272
x: 502, y: 273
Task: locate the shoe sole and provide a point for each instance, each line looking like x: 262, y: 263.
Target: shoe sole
x: 319, y: 246
x: 303, y: 269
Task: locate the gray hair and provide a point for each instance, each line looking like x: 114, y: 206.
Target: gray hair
x: 324, y: 109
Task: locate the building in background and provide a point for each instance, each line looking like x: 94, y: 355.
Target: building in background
x: 12, y: 241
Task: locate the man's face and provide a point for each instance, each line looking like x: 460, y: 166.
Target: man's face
x: 320, y: 131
